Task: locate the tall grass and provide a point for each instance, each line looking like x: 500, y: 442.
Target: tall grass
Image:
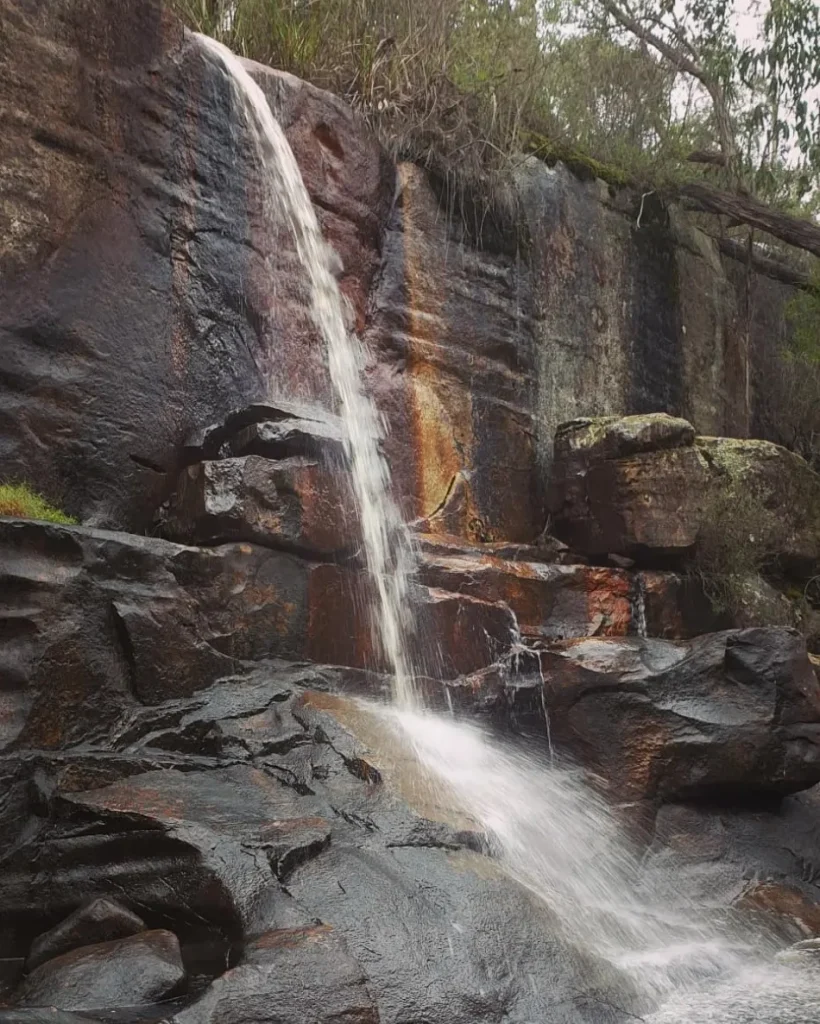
x: 448, y: 83
x: 464, y: 86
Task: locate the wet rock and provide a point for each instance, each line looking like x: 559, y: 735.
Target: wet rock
x: 289, y: 976
x: 775, y: 906
x: 725, y: 716
x: 154, y: 188
x: 276, y: 431
x: 456, y: 633
x: 143, y: 968
x: 41, y: 1015
x: 95, y: 622
x: 297, y: 503
x: 647, y: 491
x: 805, y: 953
x: 756, y: 857
x: 549, y: 601
x: 99, y: 920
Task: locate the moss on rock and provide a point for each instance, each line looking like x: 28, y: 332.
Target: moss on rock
x: 19, y: 501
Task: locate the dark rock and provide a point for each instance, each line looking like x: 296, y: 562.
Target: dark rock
x: 144, y: 968
x: 132, y: 174
x: 456, y: 633
x: 291, y: 437
x: 549, y: 601
x: 648, y: 491
x: 297, y: 428
x: 41, y: 1015
x: 297, y: 504
x: 732, y: 715
x: 289, y: 976
x: 760, y: 861
x: 100, y: 920
x: 95, y: 622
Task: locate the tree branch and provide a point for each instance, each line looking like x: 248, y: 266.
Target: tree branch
x: 679, y: 60
x: 803, y: 234
x: 768, y: 266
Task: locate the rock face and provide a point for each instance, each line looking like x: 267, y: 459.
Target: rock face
x: 645, y: 485
x: 138, y: 252
x: 254, y: 823
x: 155, y: 189
x: 143, y: 968
x: 733, y: 714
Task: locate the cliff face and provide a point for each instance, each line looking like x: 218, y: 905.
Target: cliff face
x: 187, y: 798
x: 147, y: 287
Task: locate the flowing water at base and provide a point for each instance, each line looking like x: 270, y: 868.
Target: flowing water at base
x: 548, y: 828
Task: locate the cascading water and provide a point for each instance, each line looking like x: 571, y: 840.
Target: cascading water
x: 385, y: 536
x: 550, y: 830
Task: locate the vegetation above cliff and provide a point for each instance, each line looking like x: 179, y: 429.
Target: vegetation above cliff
x: 664, y: 92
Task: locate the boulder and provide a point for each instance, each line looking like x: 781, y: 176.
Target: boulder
x: 296, y: 504
x: 276, y: 431
x: 289, y: 976
x: 645, y: 487
x: 100, y: 920
x: 733, y: 715
x: 143, y: 968
x: 753, y: 859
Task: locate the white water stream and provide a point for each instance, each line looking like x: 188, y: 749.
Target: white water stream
x: 552, y: 832
x: 385, y: 536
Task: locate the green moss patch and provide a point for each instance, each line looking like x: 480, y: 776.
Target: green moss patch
x: 20, y: 502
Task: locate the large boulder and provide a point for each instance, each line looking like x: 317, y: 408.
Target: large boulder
x: 295, y: 504
x: 645, y: 486
x: 96, y: 921
x: 733, y: 715
x: 143, y: 968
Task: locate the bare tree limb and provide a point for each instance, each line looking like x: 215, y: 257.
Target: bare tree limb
x: 707, y: 156
x: 803, y: 234
x: 776, y: 269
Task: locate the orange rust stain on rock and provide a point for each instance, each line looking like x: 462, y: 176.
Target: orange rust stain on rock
x: 608, y: 601
x: 782, y: 900
x: 441, y: 411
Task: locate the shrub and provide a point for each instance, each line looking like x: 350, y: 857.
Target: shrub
x: 736, y: 544
x: 20, y: 502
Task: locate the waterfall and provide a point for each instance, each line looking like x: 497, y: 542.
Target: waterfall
x: 386, y: 540
x: 639, y: 605
x: 548, y: 828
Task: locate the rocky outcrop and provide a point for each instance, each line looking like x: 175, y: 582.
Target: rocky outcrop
x: 727, y: 716
x: 271, y: 841
x: 644, y: 486
x: 96, y: 621
x: 138, y: 253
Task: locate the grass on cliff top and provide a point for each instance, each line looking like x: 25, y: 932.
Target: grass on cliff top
x: 20, y: 502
